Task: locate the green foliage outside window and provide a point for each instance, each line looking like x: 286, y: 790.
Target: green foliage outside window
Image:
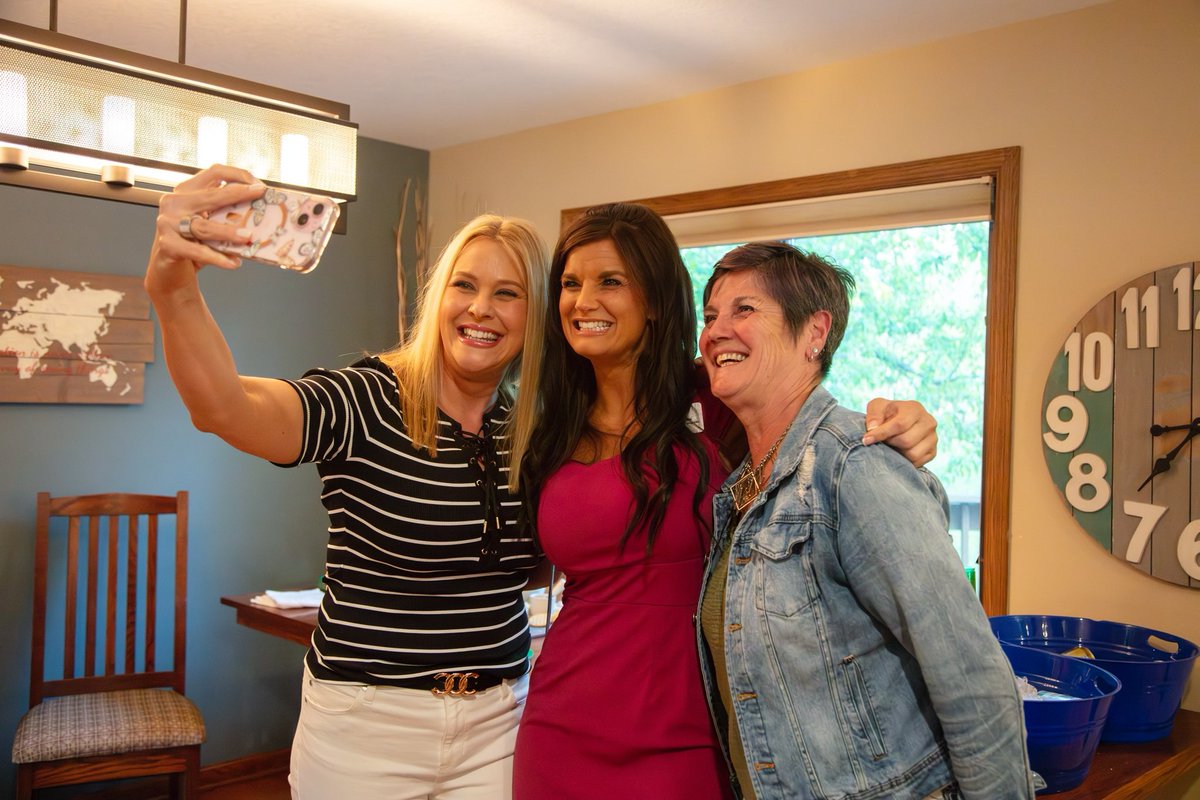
x: 916, y: 329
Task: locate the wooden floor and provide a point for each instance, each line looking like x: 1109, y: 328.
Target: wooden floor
x: 261, y: 776
x: 272, y: 787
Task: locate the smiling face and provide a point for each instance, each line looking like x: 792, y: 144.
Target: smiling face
x: 751, y: 356
x: 482, y: 313
x: 601, y: 307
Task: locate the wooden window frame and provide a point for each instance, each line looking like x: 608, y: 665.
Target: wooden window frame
x: 1002, y: 165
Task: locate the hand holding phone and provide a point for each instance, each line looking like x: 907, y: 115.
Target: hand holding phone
x: 287, y: 228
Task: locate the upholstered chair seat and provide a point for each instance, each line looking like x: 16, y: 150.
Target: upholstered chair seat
x: 81, y: 725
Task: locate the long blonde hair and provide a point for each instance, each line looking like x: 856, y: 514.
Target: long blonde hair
x: 417, y: 362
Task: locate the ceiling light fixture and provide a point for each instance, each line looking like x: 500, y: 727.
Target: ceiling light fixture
x: 85, y: 118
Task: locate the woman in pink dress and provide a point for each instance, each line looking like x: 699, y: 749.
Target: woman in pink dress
x: 621, y: 475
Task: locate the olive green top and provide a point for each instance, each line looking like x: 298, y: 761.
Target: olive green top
x: 712, y: 623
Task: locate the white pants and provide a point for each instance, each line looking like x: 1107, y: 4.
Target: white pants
x: 377, y: 742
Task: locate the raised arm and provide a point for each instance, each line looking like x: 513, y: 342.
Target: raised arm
x: 261, y: 416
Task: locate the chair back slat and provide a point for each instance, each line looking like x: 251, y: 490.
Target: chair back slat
x: 151, y: 587
x: 37, y: 667
x: 131, y: 587
x: 69, y: 601
x: 93, y: 570
x: 103, y: 581
x: 181, y: 543
x: 110, y: 629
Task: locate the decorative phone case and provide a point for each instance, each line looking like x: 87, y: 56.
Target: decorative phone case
x: 288, y: 228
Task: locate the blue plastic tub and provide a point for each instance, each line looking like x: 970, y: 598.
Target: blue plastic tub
x: 1062, y: 735
x: 1153, y: 666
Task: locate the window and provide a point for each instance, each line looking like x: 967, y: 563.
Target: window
x: 916, y: 330
x: 1000, y: 170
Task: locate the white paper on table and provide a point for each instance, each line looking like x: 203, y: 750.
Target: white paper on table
x: 307, y: 598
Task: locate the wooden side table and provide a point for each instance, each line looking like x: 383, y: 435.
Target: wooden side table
x: 1135, y: 771
x: 294, y: 624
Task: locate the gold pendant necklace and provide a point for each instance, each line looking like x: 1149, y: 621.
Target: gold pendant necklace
x: 747, y: 486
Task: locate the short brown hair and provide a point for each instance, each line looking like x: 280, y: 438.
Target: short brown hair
x: 801, y: 282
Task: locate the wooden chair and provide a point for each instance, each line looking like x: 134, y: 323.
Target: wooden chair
x: 113, y: 710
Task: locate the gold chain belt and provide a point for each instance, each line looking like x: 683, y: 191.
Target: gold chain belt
x: 457, y: 684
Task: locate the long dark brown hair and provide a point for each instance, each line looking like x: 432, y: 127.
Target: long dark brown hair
x: 664, y: 376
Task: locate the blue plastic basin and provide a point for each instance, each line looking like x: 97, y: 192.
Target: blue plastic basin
x: 1153, y: 666
x: 1062, y: 735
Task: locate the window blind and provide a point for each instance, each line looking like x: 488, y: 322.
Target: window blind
x: 913, y: 206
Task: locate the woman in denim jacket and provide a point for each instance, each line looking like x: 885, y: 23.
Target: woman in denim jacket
x: 848, y: 656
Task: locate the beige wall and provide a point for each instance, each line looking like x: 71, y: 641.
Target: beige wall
x: 1105, y: 103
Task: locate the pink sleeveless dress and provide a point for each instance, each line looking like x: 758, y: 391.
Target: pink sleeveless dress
x: 616, y: 707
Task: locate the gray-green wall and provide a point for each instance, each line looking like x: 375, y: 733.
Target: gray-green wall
x: 253, y: 526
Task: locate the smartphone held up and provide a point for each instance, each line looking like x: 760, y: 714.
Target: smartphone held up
x: 287, y: 228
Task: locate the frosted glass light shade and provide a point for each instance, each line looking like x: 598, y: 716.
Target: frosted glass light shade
x: 212, y: 141
x: 117, y: 124
x: 63, y: 98
x: 14, y: 104
x: 293, y: 158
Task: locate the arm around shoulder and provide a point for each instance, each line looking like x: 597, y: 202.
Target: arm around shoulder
x: 905, y: 426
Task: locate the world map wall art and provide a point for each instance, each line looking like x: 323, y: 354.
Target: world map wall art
x: 72, y: 337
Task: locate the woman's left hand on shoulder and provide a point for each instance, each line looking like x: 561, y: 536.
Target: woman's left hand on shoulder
x: 904, y: 425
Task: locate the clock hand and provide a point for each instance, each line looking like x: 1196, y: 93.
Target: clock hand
x: 1163, y: 464
x: 1159, y: 430
x: 1193, y: 430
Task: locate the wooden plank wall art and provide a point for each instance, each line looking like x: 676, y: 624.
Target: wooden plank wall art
x: 72, y: 337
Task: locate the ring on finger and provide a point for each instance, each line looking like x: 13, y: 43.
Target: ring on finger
x: 185, y: 227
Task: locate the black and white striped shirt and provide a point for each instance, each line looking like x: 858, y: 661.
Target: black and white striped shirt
x: 420, y: 577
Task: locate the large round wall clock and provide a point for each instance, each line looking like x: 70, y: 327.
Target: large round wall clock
x: 1121, y: 423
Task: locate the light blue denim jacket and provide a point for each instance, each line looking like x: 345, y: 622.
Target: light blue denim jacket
x: 860, y: 662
